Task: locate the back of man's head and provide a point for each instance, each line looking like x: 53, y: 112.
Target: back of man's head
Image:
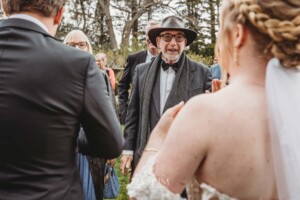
x: 46, y: 8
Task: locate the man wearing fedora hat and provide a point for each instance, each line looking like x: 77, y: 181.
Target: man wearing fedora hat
x: 158, y: 85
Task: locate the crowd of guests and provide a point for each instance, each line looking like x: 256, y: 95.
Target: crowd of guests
x: 227, y: 132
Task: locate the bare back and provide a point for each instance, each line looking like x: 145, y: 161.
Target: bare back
x: 221, y: 139
x: 238, y: 160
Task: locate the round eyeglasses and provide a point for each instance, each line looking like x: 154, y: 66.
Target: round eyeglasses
x: 81, y: 45
x: 168, y: 37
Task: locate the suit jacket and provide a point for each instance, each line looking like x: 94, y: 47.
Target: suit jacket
x: 47, y: 89
x: 124, y: 84
x: 199, y: 82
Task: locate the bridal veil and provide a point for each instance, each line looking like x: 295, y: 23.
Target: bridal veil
x: 283, y: 94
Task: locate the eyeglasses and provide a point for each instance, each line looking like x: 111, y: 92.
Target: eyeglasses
x: 81, y: 45
x: 168, y: 37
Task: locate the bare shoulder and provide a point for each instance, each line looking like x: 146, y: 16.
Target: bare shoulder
x: 207, y: 105
x: 200, y: 115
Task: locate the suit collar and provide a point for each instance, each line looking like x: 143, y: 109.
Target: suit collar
x: 156, y: 94
x: 23, y: 24
x: 31, y: 19
x: 144, y: 56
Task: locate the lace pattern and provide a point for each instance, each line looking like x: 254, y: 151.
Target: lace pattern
x: 145, y: 185
x: 208, y: 192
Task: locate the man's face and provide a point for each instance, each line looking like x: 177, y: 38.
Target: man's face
x: 171, y: 44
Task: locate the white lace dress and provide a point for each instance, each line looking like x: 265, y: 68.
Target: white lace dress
x: 145, y: 186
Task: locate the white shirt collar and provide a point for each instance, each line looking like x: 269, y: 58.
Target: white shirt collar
x: 149, y: 56
x: 31, y: 19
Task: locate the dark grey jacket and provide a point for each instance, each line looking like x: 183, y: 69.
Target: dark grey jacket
x: 47, y: 89
x: 124, y: 84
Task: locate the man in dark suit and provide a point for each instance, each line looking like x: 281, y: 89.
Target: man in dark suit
x: 132, y: 61
x: 47, y: 89
x: 171, y: 78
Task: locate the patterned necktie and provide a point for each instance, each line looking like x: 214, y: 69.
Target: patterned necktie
x: 166, y: 66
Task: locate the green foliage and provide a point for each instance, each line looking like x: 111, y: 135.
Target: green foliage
x: 117, y: 58
x: 207, y: 60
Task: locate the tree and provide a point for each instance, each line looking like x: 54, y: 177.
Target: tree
x: 105, y: 8
x: 131, y: 21
x: 202, y: 16
x: 109, y: 23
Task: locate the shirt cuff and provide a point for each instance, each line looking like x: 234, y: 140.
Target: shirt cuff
x: 127, y: 152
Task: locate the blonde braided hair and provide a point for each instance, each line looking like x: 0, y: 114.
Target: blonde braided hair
x: 278, y: 23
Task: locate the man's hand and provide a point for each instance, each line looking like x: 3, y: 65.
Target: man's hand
x: 125, y: 163
x: 216, y: 85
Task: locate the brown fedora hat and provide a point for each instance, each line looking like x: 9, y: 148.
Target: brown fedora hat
x: 172, y: 23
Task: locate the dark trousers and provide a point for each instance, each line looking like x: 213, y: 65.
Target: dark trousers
x: 97, y: 170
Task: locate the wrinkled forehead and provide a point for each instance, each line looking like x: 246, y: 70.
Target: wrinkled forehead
x: 173, y: 32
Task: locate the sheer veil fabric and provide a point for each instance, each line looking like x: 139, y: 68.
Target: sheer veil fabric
x: 283, y: 94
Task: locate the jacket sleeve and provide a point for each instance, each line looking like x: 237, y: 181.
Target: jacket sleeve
x: 207, y: 80
x: 132, y: 117
x: 99, y: 120
x: 123, y: 87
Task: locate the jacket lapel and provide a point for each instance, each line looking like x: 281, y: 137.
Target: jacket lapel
x: 191, y: 74
x: 143, y: 57
x: 156, y: 94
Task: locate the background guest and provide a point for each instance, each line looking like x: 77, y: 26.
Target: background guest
x: 158, y: 85
x: 101, y: 60
x: 132, y: 61
x: 215, y: 70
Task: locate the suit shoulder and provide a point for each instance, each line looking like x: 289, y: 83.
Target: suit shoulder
x: 137, y: 54
x: 74, y: 57
x: 143, y: 66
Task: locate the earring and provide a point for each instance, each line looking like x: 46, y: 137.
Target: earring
x: 235, y: 57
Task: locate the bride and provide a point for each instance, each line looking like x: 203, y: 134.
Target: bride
x: 219, y: 146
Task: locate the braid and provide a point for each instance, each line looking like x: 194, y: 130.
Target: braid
x: 284, y: 34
